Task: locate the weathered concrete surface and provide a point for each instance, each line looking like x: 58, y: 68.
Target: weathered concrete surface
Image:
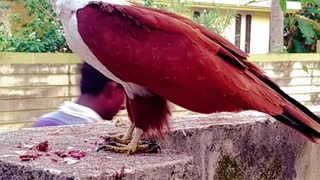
x: 102, y: 165
x: 225, y: 146
x: 168, y: 165
x: 248, y: 145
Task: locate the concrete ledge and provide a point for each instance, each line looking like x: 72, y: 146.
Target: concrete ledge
x: 247, y: 145
x: 102, y: 165
x: 168, y: 165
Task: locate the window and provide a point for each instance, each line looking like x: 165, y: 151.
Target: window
x: 238, y: 30
x: 248, y: 33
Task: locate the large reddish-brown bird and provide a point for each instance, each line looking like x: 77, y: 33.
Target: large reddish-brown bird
x: 159, y: 56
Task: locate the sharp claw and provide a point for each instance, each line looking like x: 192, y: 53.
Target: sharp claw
x: 117, y: 139
x: 131, y: 151
x: 100, y: 148
x: 153, y: 148
x: 157, y: 147
x: 108, y: 142
x: 144, y: 146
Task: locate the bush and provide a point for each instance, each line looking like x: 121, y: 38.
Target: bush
x: 42, y: 34
x: 215, y: 19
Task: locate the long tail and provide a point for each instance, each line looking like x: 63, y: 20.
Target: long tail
x: 302, y: 120
x: 295, y: 115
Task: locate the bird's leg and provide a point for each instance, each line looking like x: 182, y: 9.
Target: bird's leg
x: 126, y: 138
x: 145, y: 112
x: 135, y: 145
x: 122, y: 139
x: 132, y: 147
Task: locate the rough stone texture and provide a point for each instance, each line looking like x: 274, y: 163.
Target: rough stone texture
x: 226, y: 146
x: 248, y: 145
x: 168, y: 164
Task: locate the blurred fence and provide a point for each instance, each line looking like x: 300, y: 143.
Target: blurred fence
x: 34, y: 84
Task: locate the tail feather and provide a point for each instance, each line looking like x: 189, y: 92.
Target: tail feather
x: 299, y: 127
x: 295, y: 115
x: 300, y: 121
x: 255, y: 70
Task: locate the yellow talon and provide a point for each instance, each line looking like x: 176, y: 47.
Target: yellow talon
x: 123, y: 145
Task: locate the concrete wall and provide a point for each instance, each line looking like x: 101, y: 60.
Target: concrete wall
x: 34, y: 84
x: 28, y: 91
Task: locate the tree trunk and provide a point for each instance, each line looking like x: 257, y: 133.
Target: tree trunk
x: 276, y: 27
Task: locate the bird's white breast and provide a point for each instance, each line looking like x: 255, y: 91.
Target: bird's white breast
x: 77, y: 45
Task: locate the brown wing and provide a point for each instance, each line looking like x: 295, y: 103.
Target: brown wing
x: 237, y: 53
x: 178, y: 61
x: 234, y: 50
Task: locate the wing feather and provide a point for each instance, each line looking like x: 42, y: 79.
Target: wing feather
x: 184, y: 62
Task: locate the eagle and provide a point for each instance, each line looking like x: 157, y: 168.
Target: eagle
x: 160, y: 57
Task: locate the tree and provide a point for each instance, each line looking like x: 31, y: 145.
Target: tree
x: 276, y: 27
x: 215, y: 19
x: 42, y: 34
x: 302, y: 29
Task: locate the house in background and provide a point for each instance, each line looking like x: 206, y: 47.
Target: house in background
x: 250, y: 28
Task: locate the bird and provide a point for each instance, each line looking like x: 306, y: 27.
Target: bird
x: 161, y: 57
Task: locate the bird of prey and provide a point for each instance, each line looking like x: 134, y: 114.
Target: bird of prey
x: 160, y: 57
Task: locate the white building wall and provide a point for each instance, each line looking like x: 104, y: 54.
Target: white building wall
x: 259, y: 43
x: 230, y: 32
x: 260, y: 33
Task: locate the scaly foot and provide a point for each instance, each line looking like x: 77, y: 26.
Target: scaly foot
x: 144, y: 147
x: 134, y: 146
x: 122, y: 139
x: 118, y: 139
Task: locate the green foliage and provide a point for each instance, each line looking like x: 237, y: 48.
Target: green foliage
x: 283, y: 5
x: 182, y: 7
x: 307, y: 31
x: 42, y: 34
x: 4, y: 6
x: 216, y: 19
x: 303, y: 29
x: 175, y: 6
x: 149, y: 3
